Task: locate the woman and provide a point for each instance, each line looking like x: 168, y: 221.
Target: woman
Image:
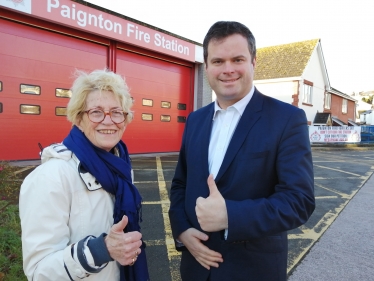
x: 79, y: 210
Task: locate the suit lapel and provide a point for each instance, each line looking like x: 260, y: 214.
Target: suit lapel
x: 206, y: 129
x: 251, y: 115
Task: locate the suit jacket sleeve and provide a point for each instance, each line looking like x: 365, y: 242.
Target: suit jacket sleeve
x: 178, y: 218
x: 290, y: 202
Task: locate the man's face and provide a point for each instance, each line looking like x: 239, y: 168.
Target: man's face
x: 230, y: 69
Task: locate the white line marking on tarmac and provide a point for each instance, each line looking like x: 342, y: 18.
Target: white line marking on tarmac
x: 349, y: 173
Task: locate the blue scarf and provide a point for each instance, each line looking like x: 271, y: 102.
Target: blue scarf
x: 114, y: 175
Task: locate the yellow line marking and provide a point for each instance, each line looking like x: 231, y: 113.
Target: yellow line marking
x: 23, y: 169
x: 155, y: 243
x: 155, y: 202
x: 323, y: 224
x: 165, y: 204
x: 326, y: 197
x: 338, y: 170
x: 144, y: 182
x: 145, y: 169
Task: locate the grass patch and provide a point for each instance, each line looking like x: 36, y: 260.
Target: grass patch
x: 10, y: 228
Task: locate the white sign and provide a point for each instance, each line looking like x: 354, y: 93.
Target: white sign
x: 19, y: 5
x: 76, y: 15
x: 334, y: 134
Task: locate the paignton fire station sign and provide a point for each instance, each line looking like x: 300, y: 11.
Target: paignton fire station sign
x: 78, y: 16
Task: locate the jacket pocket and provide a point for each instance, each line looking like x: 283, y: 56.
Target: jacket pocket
x: 269, y: 244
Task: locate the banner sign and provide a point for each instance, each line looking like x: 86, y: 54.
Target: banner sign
x: 81, y: 17
x: 334, y: 134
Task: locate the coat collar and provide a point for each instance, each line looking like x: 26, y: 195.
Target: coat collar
x: 89, y: 180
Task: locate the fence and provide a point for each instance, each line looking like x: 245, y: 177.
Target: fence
x: 369, y: 129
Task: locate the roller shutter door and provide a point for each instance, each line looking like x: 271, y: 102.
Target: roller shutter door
x: 162, y: 93
x: 35, y: 60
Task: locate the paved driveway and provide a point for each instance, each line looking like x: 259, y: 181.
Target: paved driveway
x: 338, y: 175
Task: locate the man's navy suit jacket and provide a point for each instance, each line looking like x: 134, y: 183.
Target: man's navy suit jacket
x: 266, y: 179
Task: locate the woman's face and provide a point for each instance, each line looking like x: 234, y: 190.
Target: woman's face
x: 105, y: 134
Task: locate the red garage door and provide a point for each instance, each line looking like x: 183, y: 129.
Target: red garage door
x: 162, y: 91
x: 36, y: 72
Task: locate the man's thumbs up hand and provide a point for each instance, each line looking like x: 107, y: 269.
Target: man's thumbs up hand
x: 213, y: 189
x: 211, y: 212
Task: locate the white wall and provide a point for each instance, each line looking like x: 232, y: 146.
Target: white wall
x: 280, y: 90
x: 313, y: 73
x: 368, y: 118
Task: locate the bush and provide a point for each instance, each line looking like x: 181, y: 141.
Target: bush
x: 10, y: 228
x: 9, y: 183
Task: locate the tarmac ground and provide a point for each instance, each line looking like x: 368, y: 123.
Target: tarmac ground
x: 335, y: 244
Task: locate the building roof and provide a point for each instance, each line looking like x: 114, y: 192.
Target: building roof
x: 339, y: 93
x: 337, y: 121
x: 323, y: 119
x: 287, y: 60
x: 352, y: 123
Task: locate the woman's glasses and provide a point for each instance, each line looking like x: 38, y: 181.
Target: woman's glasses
x: 97, y: 115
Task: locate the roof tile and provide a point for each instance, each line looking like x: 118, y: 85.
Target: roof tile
x: 287, y: 60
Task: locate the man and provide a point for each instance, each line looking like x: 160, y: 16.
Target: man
x: 244, y: 175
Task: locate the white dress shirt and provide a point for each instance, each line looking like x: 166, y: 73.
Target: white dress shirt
x: 224, y: 125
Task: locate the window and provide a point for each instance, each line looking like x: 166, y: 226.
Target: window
x: 181, y: 106
x: 1, y: 107
x: 147, y: 117
x: 181, y: 119
x: 165, y: 104
x: 60, y: 111
x: 165, y: 118
x: 1, y: 86
x: 308, y: 94
x: 30, y: 89
x: 345, y: 106
x: 63, y: 93
x: 30, y: 109
x: 328, y: 101
x: 147, y: 102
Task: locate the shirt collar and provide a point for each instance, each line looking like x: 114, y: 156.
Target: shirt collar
x: 239, y: 105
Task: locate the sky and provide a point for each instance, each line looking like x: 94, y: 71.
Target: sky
x: 346, y: 28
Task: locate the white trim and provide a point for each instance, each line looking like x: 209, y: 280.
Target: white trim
x: 324, y: 68
x: 343, y: 96
x: 199, y: 54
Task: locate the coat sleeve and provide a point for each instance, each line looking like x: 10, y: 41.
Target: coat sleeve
x: 45, y: 201
x: 292, y: 201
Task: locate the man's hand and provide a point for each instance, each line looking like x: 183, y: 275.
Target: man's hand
x: 191, y: 238
x: 123, y: 247
x: 211, y: 212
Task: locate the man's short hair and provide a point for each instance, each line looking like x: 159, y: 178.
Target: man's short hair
x: 222, y: 29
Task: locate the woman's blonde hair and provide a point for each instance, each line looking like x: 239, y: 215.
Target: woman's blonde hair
x: 102, y: 80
